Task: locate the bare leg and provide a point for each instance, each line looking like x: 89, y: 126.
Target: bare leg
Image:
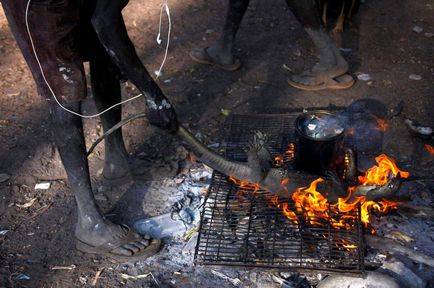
x: 220, y: 53
x: 331, y: 63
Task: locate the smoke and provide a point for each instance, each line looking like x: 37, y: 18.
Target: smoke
x: 360, y: 122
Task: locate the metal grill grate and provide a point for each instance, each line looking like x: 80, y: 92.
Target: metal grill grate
x: 242, y: 227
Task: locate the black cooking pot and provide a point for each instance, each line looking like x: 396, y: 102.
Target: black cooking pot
x: 319, y: 142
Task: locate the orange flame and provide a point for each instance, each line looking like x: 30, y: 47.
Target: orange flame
x: 381, y: 124
x: 430, y: 149
x: 317, y: 210
x: 379, y: 174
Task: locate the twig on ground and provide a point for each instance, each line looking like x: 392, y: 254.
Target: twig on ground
x: 70, y: 267
x: 97, y: 275
x: 40, y: 211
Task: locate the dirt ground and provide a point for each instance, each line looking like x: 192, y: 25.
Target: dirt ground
x: 380, y: 42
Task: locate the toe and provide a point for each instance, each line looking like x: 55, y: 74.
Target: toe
x: 123, y: 250
x: 133, y: 248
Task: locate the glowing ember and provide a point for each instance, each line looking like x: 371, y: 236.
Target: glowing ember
x: 381, y: 124
x: 287, y: 156
x: 429, y: 148
x: 317, y: 210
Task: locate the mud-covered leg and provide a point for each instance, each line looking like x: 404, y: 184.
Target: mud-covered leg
x: 107, y: 92
x: 92, y: 229
x: 119, y: 166
x: 331, y: 63
x: 220, y: 53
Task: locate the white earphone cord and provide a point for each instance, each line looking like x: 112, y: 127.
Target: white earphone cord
x: 166, y: 6
x: 49, y: 86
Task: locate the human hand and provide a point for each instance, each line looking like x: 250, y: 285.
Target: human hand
x: 160, y: 113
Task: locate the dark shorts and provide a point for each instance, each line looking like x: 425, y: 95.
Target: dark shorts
x: 63, y: 38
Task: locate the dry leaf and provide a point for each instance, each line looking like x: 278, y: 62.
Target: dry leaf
x: 27, y: 204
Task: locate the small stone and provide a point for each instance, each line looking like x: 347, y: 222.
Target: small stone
x: 415, y: 77
x: 225, y: 112
x: 82, y: 280
x: 387, y: 83
x: 285, y: 275
x: 428, y: 35
x: 253, y: 276
x: 199, y: 136
x: 209, y: 31
x: 364, y: 77
x: 42, y: 186
x: 214, y: 145
x: 4, y: 177
x: 417, y: 29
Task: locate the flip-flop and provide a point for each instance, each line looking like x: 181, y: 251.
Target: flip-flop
x: 200, y: 55
x: 129, y: 237
x: 338, y: 83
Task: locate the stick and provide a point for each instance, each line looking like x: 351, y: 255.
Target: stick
x: 390, y: 245
x: 114, y: 128
x: 97, y: 275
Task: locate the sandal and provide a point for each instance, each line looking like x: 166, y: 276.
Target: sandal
x: 129, y: 237
x: 200, y: 55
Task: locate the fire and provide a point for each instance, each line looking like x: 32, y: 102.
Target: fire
x: 379, y: 174
x: 430, y: 149
x: 381, y: 124
x: 287, y: 156
x: 316, y: 210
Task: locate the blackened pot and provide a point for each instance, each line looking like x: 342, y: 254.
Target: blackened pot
x: 319, y: 142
